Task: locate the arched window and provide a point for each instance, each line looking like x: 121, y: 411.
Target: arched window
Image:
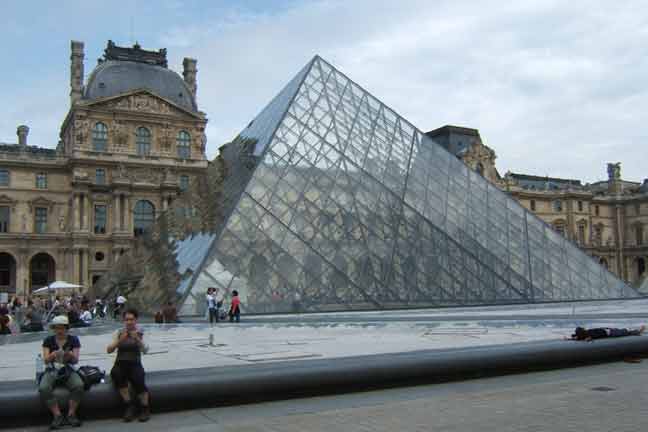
x: 559, y: 226
x: 480, y: 169
x: 99, y: 137
x: 143, y: 141
x: 603, y: 262
x: 144, y: 217
x: 183, y: 142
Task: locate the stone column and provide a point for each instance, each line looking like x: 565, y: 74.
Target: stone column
x: 81, y: 267
x: 117, y: 221
x: 127, y: 226
x: 86, y: 270
x: 618, y: 221
x: 76, y: 71
x: 86, y: 212
x: 77, y: 212
x: 22, y: 275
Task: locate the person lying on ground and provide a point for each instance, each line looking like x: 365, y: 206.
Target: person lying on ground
x: 583, y: 334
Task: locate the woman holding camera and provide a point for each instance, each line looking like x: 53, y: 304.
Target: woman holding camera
x: 129, y: 344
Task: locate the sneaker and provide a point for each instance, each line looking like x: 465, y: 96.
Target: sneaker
x: 129, y: 415
x: 74, y: 421
x: 57, y: 423
x: 145, y: 414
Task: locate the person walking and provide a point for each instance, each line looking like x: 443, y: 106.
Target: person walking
x: 235, y: 308
x: 120, y: 304
x: 211, y: 305
x: 129, y: 344
x: 61, y: 355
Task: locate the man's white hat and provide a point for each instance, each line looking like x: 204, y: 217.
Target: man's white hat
x: 59, y: 320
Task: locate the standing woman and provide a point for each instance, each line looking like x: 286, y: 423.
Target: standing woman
x: 60, y: 354
x: 129, y: 343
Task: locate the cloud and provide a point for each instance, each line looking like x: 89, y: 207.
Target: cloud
x: 555, y: 88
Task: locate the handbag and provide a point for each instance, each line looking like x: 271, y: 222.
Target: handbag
x: 90, y: 375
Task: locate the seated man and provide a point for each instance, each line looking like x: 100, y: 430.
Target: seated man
x: 582, y: 333
x: 86, y: 316
x: 60, y: 354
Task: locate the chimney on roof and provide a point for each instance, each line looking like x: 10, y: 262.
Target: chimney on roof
x: 22, y: 133
x: 189, y: 73
x: 76, y: 71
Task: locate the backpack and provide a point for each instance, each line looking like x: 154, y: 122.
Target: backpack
x: 90, y: 375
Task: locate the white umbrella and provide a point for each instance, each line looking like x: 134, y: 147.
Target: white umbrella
x: 57, y: 285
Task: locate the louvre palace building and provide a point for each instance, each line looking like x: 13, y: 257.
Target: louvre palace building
x: 134, y: 139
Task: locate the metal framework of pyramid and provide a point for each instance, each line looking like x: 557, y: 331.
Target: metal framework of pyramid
x: 335, y: 202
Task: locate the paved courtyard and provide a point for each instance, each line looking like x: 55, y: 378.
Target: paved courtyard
x: 294, y: 337
x: 609, y: 397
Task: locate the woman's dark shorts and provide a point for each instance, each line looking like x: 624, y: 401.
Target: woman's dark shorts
x: 124, y: 372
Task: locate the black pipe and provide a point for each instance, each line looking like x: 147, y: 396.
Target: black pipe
x: 217, y: 386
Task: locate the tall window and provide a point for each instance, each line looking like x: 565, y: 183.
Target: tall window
x: 560, y: 227
x: 100, y: 176
x: 533, y: 205
x: 5, y: 213
x: 580, y: 206
x: 604, y: 263
x: 639, y: 234
x: 143, y: 141
x: 637, y: 209
x: 598, y: 234
x: 184, y: 182
x: 40, y: 222
x: 41, y: 181
x: 4, y: 177
x: 183, y: 143
x: 144, y: 217
x: 581, y: 234
x: 100, y: 219
x: 596, y: 210
x: 99, y: 136
x: 557, y: 206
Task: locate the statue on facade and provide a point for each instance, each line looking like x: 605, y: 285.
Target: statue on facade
x: 614, y: 171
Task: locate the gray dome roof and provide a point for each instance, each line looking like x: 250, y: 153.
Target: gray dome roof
x: 111, y: 78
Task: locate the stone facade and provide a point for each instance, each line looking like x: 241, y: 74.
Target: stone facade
x: 608, y: 219
x: 69, y: 213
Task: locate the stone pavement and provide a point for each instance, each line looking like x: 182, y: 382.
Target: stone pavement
x: 610, y: 397
x: 329, y: 335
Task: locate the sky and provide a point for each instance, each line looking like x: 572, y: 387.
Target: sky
x: 555, y: 88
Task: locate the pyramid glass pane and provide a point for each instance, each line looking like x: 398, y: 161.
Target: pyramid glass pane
x: 336, y: 202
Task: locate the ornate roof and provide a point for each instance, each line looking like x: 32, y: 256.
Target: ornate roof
x: 127, y: 69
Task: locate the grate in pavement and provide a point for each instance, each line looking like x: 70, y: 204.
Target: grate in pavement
x: 603, y: 389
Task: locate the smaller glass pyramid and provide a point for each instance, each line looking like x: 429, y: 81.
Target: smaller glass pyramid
x: 335, y: 202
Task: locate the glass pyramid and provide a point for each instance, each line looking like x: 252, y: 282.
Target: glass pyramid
x: 335, y: 202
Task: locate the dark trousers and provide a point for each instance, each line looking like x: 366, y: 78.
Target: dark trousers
x: 213, y: 315
x: 235, y: 315
x: 615, y: 332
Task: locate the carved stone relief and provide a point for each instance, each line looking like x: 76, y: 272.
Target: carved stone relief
x: 119, y: 134
x: 141, y: 103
